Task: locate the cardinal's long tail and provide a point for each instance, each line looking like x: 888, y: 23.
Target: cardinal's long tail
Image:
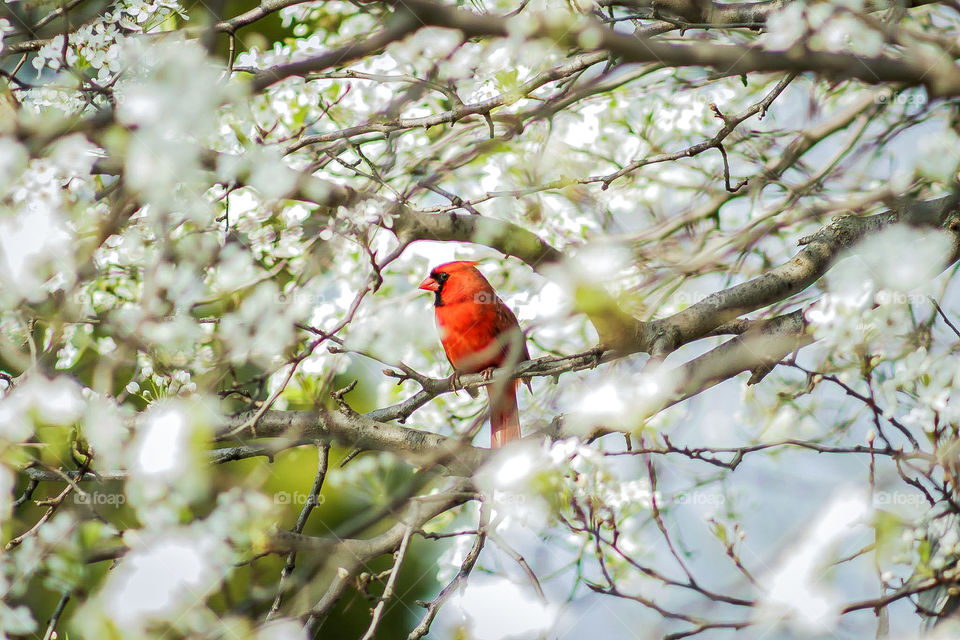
x: 504, y: 415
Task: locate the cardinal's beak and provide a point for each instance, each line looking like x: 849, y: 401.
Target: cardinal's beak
x: 429, y: 285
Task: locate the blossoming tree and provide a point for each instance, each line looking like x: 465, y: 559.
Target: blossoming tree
x: 729, y: 231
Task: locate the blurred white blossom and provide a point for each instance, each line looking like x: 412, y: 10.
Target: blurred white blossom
x: 796, y: 587
x: 497, y: 608
x: 38, y: 400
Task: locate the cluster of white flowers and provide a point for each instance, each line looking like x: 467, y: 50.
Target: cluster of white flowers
x: 938, y: 159
x: 932, y: 385
x: 839, y: 319
x: 179, y: 383
x: 167, y: 459
x: 163, y: 153
x: 857, y: 333
x: 94, y: 45
x: 872, y: 291
x: 97, y: 45
x: 256, y: 336
x: 828, y: 25
x: 43, y: 197
x: 38, y: 401
x: 527, y: 480
x: 170, y: 568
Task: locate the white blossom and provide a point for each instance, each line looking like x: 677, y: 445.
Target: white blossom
x: 796, y: 587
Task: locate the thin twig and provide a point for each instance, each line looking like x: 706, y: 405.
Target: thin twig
x: 323, y: 456
x: 388, y: 589
x: 433, y: 607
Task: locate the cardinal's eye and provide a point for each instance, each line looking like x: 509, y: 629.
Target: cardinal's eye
x: 442, y: 277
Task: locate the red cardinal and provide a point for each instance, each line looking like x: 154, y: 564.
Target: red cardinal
x: 478, y: 332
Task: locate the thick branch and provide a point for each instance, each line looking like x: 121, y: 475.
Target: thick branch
x: 806, y: 267
x: 757, y: 350
x: 364, y: 433
x: 940, y: 76
x: 506, y: 237
x: 735, y: 13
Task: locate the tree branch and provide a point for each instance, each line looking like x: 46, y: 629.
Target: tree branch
x: 938, y: 75
x: 400, y: 25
